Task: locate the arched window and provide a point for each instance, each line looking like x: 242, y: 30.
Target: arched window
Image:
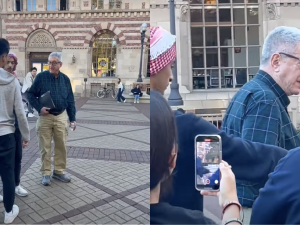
x: 104, y: 56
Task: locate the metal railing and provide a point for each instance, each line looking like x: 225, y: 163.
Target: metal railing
x: 215, y: 118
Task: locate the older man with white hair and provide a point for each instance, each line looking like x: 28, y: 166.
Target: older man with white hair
x: 258, y: 112
x: 53, y: 123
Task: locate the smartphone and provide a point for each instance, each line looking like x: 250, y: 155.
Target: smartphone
x: 208, y: 155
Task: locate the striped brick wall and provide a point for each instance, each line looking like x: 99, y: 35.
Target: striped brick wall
x: 70, y: 29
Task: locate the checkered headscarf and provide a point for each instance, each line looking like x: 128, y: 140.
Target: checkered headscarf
x: 162, y: 49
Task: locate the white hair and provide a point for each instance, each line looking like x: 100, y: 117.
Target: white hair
x: 56, y: 55
x: 281, y: 39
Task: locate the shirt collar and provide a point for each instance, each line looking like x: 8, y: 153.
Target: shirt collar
x: 53, y: 75
x: 278, y: 91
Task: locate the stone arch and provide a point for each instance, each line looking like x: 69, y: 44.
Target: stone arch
x: 100, y: 32
x: 40, y: 38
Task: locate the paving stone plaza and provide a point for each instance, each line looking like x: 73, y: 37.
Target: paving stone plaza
x: 108, y: 161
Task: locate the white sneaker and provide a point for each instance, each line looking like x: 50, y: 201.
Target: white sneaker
x: 21, y: 191
x: 138, y: 101
x: 124, y: 100
x: 1, y: 198
x: 134, y: 101
x: 11, y: 216
x: 30, y: 115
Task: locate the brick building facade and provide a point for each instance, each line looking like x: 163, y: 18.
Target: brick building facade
x: 100, y: 40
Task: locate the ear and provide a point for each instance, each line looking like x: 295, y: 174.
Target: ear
x: 173, y: 158
x: 276, y: 61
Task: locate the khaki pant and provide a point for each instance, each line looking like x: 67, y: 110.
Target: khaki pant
x: 55, y: 127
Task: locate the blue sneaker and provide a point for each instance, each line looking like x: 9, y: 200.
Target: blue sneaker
x: 62, y: 177
x: 46, y: 181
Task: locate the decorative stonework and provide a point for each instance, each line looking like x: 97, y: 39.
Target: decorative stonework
x: 27, y: 55
x: 21, y: 49
x: 82, y: 71
x: 184, y: 13
x: 272, y: 11
x: 41, y: 39
x: 131, y: 68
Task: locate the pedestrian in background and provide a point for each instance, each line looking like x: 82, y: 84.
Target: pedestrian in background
x: 10, y: 101
x: 120, y: 91
x: 136, y: 93
x: 53, y: 123
x: 26, y: 85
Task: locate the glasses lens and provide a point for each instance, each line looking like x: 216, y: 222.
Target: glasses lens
x: 53, y: 63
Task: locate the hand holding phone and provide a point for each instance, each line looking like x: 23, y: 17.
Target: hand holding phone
x: 227, y: 191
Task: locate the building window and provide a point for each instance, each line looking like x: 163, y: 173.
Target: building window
x: 18, y: 5
x: 104, y: 56
x: 63, y: 5
x: 115, y: 4
x: 31, y: 5
x: 97, y: 4
x: 51, y: 5
x: 225, y: 42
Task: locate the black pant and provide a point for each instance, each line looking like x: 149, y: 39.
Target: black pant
x: 7, y: 165
x: 18, y: 156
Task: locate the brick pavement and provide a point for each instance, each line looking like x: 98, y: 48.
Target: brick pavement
x: 109, y: 163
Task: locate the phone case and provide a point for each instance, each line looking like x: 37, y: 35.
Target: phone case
x: 195, y: 159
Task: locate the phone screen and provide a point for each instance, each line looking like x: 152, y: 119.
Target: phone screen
x: 208, y: 158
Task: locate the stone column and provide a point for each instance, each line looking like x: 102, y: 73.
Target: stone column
x: 25, y: 5
x: 10, y: 6
x: 106, y: 4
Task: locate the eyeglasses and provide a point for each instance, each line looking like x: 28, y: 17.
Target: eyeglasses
x: 53, y: 63
x: 290, y: 56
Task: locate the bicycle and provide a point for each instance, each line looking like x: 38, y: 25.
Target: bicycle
x: 105, y: 92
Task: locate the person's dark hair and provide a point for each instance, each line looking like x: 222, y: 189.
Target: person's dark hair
x: 33, y: 68
x: 181, y: 110
x: 119, y: 79
x: 4, y: 47
x: 163, y: 137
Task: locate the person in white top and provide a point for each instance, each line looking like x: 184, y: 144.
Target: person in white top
x: 120, y: 91
x: 26, y: 85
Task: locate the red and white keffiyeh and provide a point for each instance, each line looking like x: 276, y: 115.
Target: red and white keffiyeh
x: 162, y: 49
x: 14, y: 56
